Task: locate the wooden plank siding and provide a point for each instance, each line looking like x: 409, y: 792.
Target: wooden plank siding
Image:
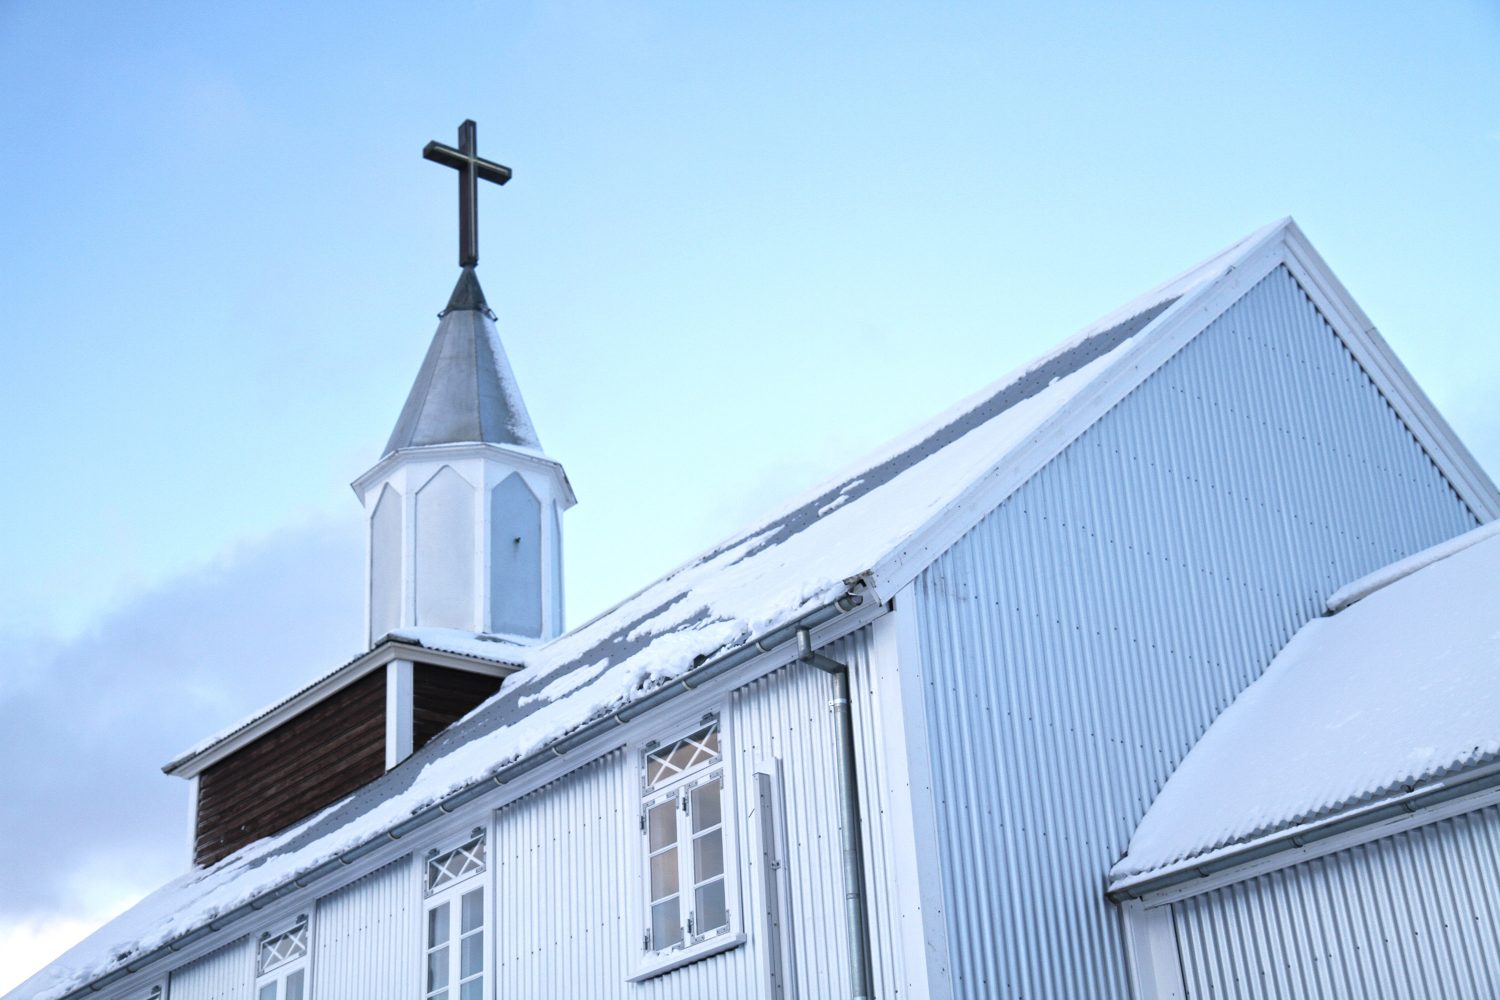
x: 441, y: 696
x: 308, y: 762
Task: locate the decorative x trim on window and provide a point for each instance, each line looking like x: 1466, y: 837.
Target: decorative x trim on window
x: 460, y: 863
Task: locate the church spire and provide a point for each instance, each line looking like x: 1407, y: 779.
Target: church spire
x: 464, y: 509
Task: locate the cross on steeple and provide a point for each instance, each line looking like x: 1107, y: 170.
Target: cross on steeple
x: 471, y: 170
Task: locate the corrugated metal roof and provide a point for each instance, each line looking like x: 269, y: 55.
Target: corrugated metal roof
x: 764, y: 578
x: 1393, y: 692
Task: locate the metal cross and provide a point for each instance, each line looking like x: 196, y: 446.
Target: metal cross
x: 471, y: 170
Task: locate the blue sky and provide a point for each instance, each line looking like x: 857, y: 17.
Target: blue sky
x: 744, y: 244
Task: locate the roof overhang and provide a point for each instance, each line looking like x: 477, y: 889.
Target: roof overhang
x: 389, y: 649
x: 1419, y: 805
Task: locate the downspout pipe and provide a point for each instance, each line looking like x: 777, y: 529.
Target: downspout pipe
x: 856, y: 912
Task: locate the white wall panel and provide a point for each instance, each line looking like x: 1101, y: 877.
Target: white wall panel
x: 565, y: 859
x: 226, y: 974
x: 1081, y: 638
x: 367, y: 938
x: 1413, y: 916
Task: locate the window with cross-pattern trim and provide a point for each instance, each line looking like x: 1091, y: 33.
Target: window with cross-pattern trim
x: 281, y: 964
x: 456, y: 933
x: 682, y: 824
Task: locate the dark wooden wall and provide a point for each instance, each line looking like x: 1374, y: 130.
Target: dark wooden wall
x: 441, y: 696
x: 308, y: 762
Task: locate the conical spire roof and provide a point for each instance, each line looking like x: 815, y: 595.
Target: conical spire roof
x: 465, y: 390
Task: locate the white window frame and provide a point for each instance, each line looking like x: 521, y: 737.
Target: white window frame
x: 276, y: 975
x: 451, y: 894
x: 695, y: 944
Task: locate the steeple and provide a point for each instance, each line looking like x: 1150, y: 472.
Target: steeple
x: 465, y: 389
x: 464, y: 508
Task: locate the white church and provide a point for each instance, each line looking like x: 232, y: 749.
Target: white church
x: 1167, y: 666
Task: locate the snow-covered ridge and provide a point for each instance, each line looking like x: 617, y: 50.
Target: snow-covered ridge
x: 1366, y: 585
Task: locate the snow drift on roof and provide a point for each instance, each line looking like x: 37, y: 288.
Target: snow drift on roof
x: 1399, y: 689
x: 760, y: 580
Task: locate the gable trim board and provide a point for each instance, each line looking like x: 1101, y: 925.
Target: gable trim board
x: 1203, y: 294
x: 1161, y: 339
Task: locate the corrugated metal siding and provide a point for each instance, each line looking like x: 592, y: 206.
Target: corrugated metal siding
x: 227, y: 974
x: 367, y: 938
x: 1416, y: 915
x: 1080, y: 639
x: 566, y: 864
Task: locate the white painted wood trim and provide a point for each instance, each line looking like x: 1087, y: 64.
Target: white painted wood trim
x: 899, y: 681
x: 192, y: 820
x: 1151, y: 953
x: 191, y: 764
x: 399, y: 706
x: 1162, y: 338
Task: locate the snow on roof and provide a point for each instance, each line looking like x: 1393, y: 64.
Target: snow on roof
x: 1397, y: 690
x: 801, y: 558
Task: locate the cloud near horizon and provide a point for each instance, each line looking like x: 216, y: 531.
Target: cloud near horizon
x: 89, y: 721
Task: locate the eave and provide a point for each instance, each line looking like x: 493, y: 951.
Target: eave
x: 389, y: 649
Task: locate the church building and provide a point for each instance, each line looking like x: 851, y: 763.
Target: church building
x: 1163, y: 667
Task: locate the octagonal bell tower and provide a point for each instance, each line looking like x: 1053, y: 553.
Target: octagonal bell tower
x: 465, y: 509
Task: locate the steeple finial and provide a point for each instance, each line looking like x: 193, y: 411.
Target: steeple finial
x: 471, y: 170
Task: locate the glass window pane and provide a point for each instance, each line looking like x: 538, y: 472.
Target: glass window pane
x: 437, y: 926
x: 294, y: 986
x: 471, y: 957
x: 473, y: 911
x: 268, y: 992
x: 472, y: 990
x: 664, y: 874
x: 661, y: 824
x: 666, y: 924
x: 708, y: 855
x: 712, y: 740
x: 437, y: 969
x: 709, y: 909
x: 705, y: 806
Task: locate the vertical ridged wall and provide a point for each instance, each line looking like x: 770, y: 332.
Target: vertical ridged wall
x: 367, y: 938
x: 566, y: 862
x: 1414, y: 916
x: 1080, y: 639
x: 226, y: 974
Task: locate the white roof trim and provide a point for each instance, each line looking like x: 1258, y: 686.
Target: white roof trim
x: 1280, y: 244
x: 1352, y: 593
x: 193, y: 762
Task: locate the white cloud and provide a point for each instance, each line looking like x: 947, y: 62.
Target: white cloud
x: 91, y: 823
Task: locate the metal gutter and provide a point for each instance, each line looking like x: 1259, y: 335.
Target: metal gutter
x: 697, y: 675
x: 1415, y: 801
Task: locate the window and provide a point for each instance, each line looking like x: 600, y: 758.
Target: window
x: 456, y: 936
x: 281, y: 964
x: 682, y: 825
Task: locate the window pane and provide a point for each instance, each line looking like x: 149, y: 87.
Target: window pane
x: 437, y: 926
x: 661, y: 824
x: 473, y: 990
x: 471, y: 956
x: 705, y: 805
x: 666, y: 924
x: 664, y: 874
x: 710, y: 910
x: 708, y: 855
x: 268, y: 992
x: 437, y: 969
x: 473, y: 911
x: 294, y: 986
